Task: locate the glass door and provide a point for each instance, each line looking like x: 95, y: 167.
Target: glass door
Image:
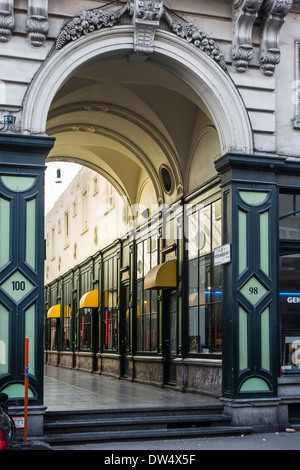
x: 171, y: 338
x: 125, y: 329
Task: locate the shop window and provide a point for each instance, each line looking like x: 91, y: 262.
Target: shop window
x: 205, y: 282
x: 289, y: 216
x: 85, y: 325
x: 110, y: 314
x: 53, y: 334
x: 289, y: 289
x: 147, y: 317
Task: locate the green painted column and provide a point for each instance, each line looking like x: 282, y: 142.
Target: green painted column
x: 22, y: 165
x: 250, y: 280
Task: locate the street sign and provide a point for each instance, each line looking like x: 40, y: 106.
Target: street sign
x: 222, y: 255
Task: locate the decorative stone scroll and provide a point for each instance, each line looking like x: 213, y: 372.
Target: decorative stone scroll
x: 273, y: 15
x: 245, y: 12
x: 7, y: 20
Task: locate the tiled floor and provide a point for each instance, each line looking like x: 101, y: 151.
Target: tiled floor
x: 66, y: 389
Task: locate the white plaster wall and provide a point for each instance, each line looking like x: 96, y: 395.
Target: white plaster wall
x: 104, y: 223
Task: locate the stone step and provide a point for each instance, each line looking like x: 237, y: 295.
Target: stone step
x: 141, y: 422
x: 134, y: 435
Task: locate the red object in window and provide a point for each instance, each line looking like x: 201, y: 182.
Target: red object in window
x: 3, y: 441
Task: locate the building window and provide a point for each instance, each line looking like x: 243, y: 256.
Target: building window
x: 74, y: 206
x: 67, y: 230
x: 205, y: 283
x: 147, y: 337
x: 95, y: 186
x: 84, y: 211
x: 289, y: 289
x: 53, y: 243
x: 110, y: 314
x: 110, y: 197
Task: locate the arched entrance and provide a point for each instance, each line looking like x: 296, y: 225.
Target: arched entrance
x: 147, y: 127
x: 203, y: 79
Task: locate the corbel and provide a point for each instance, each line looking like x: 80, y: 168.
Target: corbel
x: 245, y: 13
x: 37, y: 24
x: 272, y: 19
x: 7, y: 20
x: 146, y: 16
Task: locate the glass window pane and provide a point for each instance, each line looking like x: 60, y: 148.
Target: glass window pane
x: 193, y: 282
x: 289, y: 228
x: 194, y: 339
x: 216, y: 224
x: 205, y: 231
x: 4, y: 338
x: 192, y: 244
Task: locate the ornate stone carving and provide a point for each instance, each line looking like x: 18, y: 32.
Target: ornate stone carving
x: 86, y: 22
x: 273, y: 16
x: 245, y: 13
x: 37, y: 24
x: 146, y: 19
x: 147, y: 15
x: 196, y: 36
x: 7, y: 20
x: 37, y: 28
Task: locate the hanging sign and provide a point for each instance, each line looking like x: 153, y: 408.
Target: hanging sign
x: 222, y: 254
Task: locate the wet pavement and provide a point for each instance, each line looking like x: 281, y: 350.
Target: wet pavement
x: 66, y: 389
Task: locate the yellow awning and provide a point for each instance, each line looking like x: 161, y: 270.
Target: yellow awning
x: 54, y: 312
x: 162, y: 276
x: 90, y: 299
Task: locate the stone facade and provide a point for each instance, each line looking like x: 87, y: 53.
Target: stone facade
x: 171, y: 101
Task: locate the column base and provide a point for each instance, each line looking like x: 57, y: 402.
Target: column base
x: 264, y: 415
x: 35, y: 420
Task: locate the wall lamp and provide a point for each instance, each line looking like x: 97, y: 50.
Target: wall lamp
x: 9, y: 121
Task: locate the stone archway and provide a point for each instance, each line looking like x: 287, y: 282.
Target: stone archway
x: 213, y: 90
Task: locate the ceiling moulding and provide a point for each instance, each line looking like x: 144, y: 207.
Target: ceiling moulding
x: 7, y: 20
x: 146, y: 18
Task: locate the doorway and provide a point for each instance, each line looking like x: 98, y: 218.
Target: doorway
x: 124, y: 328
x: 171, y: 337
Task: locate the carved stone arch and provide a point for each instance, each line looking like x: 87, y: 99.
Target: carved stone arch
x: 213, y: 86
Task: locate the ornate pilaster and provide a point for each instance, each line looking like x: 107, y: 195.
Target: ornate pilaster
x: 273, y: 16
x: 7, y: 20
x: 245, y: 13
x: 146, y: 19
x: 37, y: 24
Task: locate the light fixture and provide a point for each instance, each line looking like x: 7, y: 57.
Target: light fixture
x: 58, y: 176
x: 8, y: 123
